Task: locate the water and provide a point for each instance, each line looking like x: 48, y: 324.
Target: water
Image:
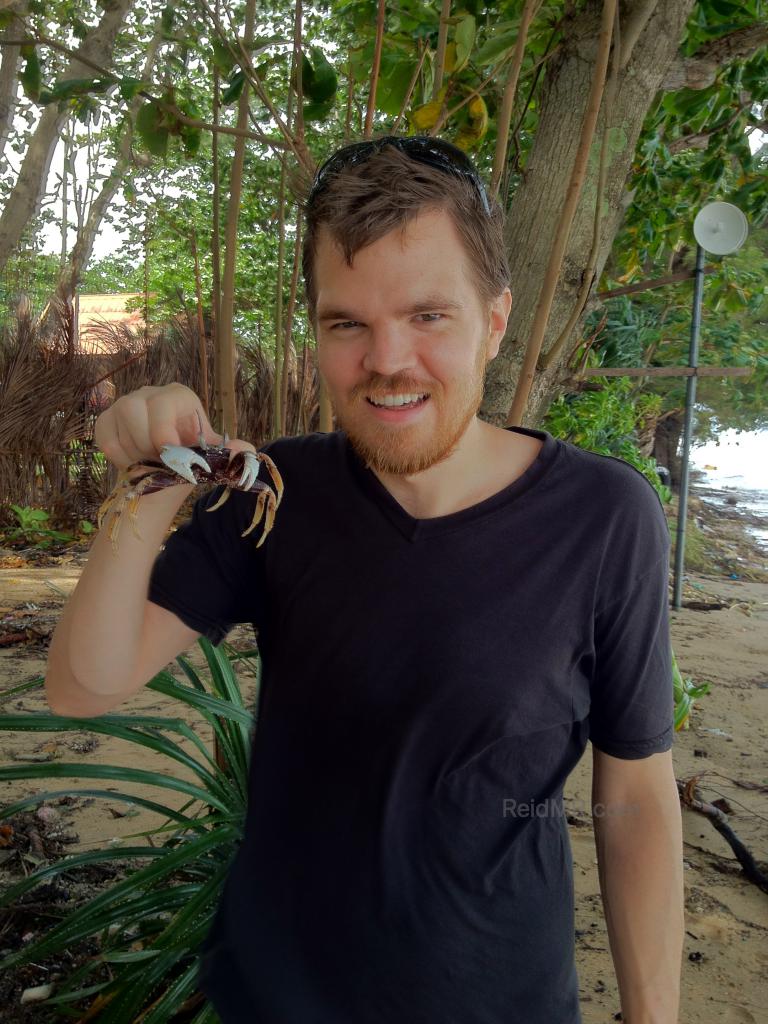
x: 737, y: 466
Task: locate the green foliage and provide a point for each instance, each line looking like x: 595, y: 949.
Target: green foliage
x: 318, y: 79
x: 114, y: 273
x: 31, y: 77
x: 653, y: 328
x: 31, y: 528
x: 235, y: 88
x: 149, y: 925
x: 686, y: 692
x: 129, y: 87
x: 671, y: 187
x: 605, y: 419
x: 152, y: 129
x: 669, y: 180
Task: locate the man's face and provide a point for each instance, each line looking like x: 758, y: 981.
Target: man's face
x: 405, y: 319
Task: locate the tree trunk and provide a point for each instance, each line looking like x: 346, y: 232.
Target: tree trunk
x: 24, y: 201
x: 9, y: 84
x: 81, y: 252
x: 225, y: 385
x: 665, y: 447
x: 532, y: 217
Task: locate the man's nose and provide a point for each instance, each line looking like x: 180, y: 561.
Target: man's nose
x: 388, y: 350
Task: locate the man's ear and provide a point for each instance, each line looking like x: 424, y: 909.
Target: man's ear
x: 498, y: 315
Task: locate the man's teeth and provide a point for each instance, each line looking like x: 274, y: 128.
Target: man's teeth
x: 397, y: 399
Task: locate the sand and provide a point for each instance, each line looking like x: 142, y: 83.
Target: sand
x: 723, y: 640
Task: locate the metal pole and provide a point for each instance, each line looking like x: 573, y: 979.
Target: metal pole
x: 690, y: 400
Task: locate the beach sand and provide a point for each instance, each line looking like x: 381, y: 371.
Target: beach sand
x: 721, y: 636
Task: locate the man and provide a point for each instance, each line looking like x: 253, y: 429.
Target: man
x: 446, y: 611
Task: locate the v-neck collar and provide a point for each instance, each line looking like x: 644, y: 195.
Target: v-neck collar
x: 414, y: 529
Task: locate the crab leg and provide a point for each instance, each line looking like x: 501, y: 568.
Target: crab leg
x: 275, y: 476
x: 267, y: 497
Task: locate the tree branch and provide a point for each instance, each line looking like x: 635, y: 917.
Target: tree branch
x: 442, y: 42
x: 375, y: 69
x: 508, y: 98
x: 700, y: 70
x: 635, y: 21
x: 171, y: 108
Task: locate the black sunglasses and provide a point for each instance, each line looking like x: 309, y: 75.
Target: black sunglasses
x: 435, y: 152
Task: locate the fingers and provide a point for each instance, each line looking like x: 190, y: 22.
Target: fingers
x: 133, y: 428
x: 137, y: 425
x: 119, y: 430
x: 236, y: 446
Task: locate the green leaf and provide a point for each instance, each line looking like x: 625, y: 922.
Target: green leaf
x: 72, y: 87
x: 317, y: 111
x: 307, y: 76
x: 151, y: 130
x: 129, y: 87
x: 494, y: 48
x: 32, y: 76
x: 79, y: 28
x: 395, y: 77
x: 166, y: 19
x: 323, y: 82
x: 465, y: 40
x: 222, y: 57
x: 190, y: 139
x: 726, y: 9
x: 236, y: 83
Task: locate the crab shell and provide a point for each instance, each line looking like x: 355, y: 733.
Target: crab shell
x: 197, y: 464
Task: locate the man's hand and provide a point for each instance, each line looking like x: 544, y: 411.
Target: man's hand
x: 638, y: 835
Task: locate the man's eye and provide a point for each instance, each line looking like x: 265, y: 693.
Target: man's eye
x: 344, y: 323
x: 430, y: 314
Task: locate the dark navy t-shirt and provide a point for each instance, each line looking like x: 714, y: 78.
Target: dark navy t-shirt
x: 423, y: 682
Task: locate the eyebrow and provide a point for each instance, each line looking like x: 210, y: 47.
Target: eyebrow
x: 425, y: 305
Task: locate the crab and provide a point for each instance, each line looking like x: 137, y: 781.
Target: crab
x: 196, y: 464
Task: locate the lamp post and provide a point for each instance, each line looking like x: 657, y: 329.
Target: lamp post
x: 719, y: 228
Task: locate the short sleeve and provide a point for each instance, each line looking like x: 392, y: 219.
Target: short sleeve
x: 207, y: 573
x: 631, y: 695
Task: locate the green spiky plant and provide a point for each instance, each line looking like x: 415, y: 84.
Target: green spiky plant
x: 686, y: 693
x: 170, y: 899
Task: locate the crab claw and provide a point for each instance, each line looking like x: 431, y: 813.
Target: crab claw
x: 250, y: 471
x: 181, y: 460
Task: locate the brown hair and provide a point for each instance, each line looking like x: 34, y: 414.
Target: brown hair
x: 362, y: 203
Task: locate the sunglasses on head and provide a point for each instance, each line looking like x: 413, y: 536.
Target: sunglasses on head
x: 435, y: 152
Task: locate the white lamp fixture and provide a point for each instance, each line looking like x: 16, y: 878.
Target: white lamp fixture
x: 720, y: 228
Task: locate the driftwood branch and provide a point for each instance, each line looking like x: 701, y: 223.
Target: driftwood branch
x: 690, y: 798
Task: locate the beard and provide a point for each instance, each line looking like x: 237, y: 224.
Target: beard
x: 405, y: 450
